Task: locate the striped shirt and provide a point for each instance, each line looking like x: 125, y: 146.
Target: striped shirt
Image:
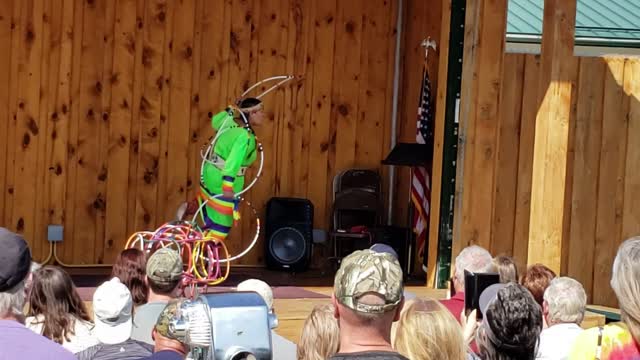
x: 128, y: 350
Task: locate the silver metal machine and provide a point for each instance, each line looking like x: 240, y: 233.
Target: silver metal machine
x: 225, y: 326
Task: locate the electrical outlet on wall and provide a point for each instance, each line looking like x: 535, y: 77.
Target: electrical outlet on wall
x: 55, y: 233
x: 319, y: 236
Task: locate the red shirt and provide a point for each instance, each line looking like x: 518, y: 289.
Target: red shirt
x: 455, y: 305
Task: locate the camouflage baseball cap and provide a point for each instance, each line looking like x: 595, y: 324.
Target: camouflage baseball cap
x: 169, y: 314
x: 367, y: 271
x: 164, y: 266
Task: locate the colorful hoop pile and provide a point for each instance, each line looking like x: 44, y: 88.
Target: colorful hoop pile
x: 201, y: 253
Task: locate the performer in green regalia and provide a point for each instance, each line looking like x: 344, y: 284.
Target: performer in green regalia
x: 233, y: 150
x: 223, y: 170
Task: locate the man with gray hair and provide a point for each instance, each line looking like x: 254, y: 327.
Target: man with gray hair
x: 563, y: 309
x: 16, y: 341
x: 474, y: 259
x: 283, y: 348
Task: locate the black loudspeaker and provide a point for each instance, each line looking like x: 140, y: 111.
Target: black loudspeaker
x: 288, y: 234
x: 398, y: 238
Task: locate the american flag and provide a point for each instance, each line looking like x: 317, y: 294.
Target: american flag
x: 420, y: 183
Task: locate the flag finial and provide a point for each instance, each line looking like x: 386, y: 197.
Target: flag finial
x: 428, y: 43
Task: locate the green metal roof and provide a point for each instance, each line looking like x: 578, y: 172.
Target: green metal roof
x: 598, y: 22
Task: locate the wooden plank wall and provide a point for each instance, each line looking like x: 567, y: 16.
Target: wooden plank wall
x: 603, y: 158
x: 104, y: 106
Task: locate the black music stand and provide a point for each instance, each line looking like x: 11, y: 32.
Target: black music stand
x: 411, y: 155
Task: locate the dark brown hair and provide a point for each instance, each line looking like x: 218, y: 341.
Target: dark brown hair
x: 163, y: 288
x: 537, y: 279
x: 511, y: 325
x: 130, y: 268
x: 54, y: 296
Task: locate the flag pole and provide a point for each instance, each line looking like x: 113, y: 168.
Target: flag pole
x: 427, y: 44
x: 394, y: 110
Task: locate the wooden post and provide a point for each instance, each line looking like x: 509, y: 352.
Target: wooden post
x: 436, y: 172
x: 552, y: 135
x: 485, y: 28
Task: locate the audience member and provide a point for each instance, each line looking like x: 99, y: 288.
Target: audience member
x: 164, y: 274
x: 57, y: 312
x: 320, y: 336
x: 427, y: 331
x: 506, y: 267
x: 27, y: 283
x: 384, y: 248
x: 563, y: 309
x: 262, y: 288
x: 167, y: 347
x: 32, y: 269
x: 112, y: 312
x: 368, y: 299
x: 620, y: 340
x: 130, y: 268
x: 511, y: 323
x: 475, y: 259
x: 536, y: 279
x: 282, y: 347
x: 16, y: 341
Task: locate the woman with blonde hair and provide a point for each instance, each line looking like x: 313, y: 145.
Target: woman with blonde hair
x: 320, y: 338
x: 427, y: 331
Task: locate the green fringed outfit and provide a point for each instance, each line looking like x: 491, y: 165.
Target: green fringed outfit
x: 224, y: 170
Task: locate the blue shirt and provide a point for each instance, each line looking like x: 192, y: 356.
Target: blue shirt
x: 18, y: 342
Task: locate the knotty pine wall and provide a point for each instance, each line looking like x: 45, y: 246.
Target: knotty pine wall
x: 104, y: 106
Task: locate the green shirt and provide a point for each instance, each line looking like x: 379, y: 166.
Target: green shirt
x: 236, y: 145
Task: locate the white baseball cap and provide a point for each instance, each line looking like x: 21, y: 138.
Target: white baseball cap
x: 488, y: 295
x: 262, y: 288
x: 112, y: 309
